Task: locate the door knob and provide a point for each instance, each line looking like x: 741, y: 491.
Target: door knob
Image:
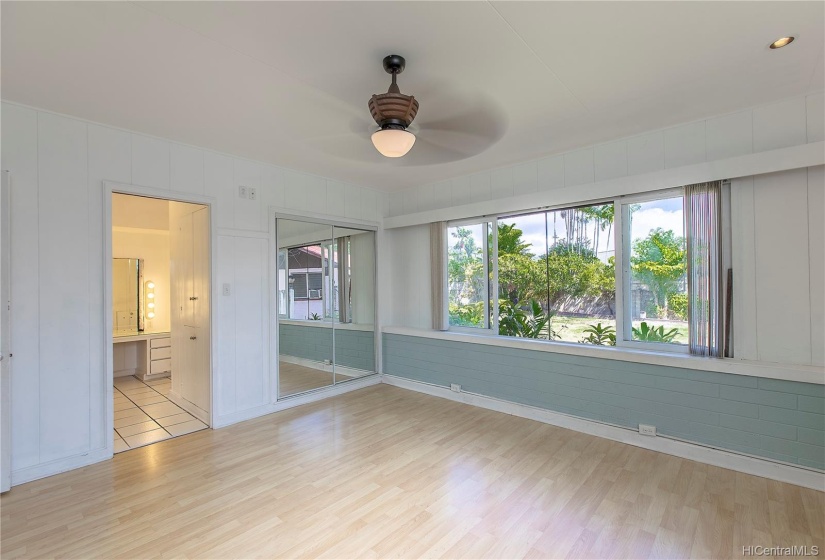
x: 192, y: 337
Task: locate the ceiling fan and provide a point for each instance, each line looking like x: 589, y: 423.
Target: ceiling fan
x: 394, y: 113
x: 458, y: 123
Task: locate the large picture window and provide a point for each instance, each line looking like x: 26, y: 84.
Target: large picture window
x: 614, y: 273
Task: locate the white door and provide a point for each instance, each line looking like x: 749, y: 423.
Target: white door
x: 5, y: 302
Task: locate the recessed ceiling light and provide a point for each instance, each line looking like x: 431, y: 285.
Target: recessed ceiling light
x: 781, y: 42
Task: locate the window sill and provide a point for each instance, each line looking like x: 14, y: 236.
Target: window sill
x: 326, y: 324
x: 787, y: 372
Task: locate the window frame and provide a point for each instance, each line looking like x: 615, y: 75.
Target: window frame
x: 485, y: 254
x: 621, y: 226
x: 621, y: 222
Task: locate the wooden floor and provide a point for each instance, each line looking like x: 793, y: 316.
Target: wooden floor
x: 387, y: 473
x: 297, y: 379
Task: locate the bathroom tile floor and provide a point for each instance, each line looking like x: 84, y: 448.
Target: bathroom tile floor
x: 144, y: 414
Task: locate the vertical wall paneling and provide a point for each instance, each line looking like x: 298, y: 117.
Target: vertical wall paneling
x: 19, y: 156
x: 65, y: 323
x: 525, y: 178
x: 150, y: 162
x: 610, y: 160
x: 109, y: 158
x: 551, y: 173
x: 295, y: 195
x: 225, y: 316
x: 187, y: 169
x: 336, y: 197
x: 481, y: 187
x: 218, y: 176
x: 685, y: 145
x: 646, y: 153
x: 743, y: 258
x: 251, y: 322
x: 816, y: 233
x: 782, y: 292
x: 729, y: 135
x: 780, y: 125
x: 353, y: 204
x: 815, y: 111
x: 578, y: 168
x: 501, y: 182
x: 409, y: 202
x: 247, y: 211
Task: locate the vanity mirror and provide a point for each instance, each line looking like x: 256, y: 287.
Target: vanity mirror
x: 127, y: 294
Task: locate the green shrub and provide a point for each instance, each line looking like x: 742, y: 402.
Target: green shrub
x: 650, y: 333
x: 599, y: 335
x: 532, y: 322
x: 678, y: 304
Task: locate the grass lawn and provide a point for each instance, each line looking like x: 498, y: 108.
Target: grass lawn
x: 571, y: 329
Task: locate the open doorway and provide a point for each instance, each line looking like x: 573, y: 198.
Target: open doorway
x: 160, y: 312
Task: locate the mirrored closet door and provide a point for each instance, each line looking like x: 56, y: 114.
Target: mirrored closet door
x: 326, y: 305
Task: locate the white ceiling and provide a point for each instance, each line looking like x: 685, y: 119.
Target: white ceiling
x: 288, y: 82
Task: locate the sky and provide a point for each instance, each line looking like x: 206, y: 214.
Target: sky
x: 666, y: 213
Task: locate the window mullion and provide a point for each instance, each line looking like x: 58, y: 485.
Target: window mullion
x: 485, y: 254
x: 493, y: 290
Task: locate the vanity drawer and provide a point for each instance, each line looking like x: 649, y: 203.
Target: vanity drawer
x: 160, y: 342
x: 160, y: 366
x: 161, y: 353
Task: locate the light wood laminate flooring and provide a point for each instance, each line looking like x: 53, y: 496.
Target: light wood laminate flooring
x: 387, y: 473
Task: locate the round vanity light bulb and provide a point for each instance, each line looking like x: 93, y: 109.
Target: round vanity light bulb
x: 151, y: 314
x: 150, y: 295
x: 393, y: 142
x: 151, y: 305
x: 150, y: 285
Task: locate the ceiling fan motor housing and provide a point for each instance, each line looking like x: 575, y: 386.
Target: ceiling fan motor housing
x: 393, y: 109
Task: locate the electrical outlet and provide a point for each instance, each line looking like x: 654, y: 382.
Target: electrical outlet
x: 227, y: 290
x: 253, y: 193
x: 647, y: 430
x: 242, y: 191
x: 455, y: 387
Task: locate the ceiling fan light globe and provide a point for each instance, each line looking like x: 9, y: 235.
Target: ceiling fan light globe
x: 393, y: 142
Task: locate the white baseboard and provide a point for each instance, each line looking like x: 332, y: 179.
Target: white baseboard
x: 291, y: 402
x: 42, y: 470
x: 697, y: 452
x: 320, y: 366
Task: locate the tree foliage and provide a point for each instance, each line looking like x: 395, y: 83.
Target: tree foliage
x: 660, y: 262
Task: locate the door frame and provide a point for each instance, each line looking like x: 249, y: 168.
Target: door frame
x: 5, y: 332
x: 110, y: 188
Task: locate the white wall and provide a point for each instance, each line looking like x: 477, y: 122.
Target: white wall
x: 777, y: 225
x: 629, y: 164
x: 778, y: 263
x: 58, y: 165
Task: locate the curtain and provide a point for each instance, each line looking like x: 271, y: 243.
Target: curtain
x: 343, y: 279
x: 438, y: 263
x: 703, y: 209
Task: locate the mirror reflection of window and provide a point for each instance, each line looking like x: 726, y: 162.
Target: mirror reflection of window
x: 326, y: 305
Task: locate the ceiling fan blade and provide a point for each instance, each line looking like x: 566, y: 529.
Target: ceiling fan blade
x: 425, y: 152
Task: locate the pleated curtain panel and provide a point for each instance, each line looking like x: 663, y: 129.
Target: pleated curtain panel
x: 703, y: 210
x: 438, y: 271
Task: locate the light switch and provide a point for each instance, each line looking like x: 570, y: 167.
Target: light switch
x: 226, y: 290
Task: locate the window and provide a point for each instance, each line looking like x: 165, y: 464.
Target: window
x: 615, y: 273
x: 556, y: 275
x: 467, y: 273
x: 656, y: 258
